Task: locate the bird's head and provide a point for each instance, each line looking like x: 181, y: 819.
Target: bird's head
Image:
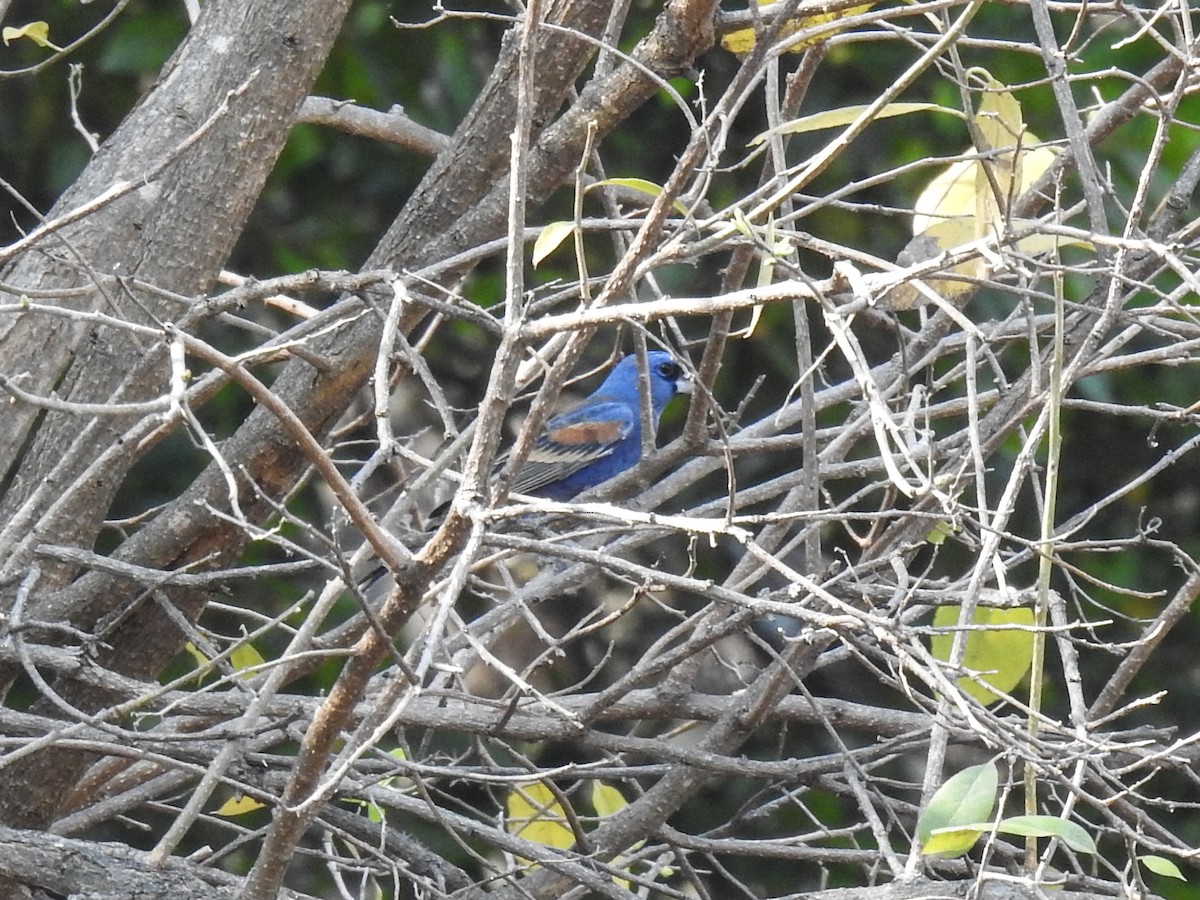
x: 667, y: 378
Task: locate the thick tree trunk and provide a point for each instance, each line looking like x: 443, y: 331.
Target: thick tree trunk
x: 196, y: 153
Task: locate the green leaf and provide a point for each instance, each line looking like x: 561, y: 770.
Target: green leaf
x: 397, y: 782
x: 549, y: 239
x: 940, y: 531
x: 1160, y: 865
x: 965, y: 799
x: 845, y: 115
x: 375, y: 812
x: 1004, y: 656
x: 1070, y: 833
x: 642, y: 186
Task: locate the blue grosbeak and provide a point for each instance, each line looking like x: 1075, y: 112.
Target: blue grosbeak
x: 601, y: 437
x: 598, y: 439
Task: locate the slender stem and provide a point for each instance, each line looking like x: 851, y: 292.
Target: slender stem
x: 1046, y: 556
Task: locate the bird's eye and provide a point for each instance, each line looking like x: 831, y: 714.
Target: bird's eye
x: 669, y: 370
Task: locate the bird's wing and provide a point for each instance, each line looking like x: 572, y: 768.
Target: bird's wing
x: 574, y: 440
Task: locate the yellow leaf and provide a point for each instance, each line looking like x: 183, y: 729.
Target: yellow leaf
x: 742, y: 40
x: 957, y: 207
x: 779, y: 248
x: 742, y: 224
x: 535, y: 815
x: 606, y: 799
x: 845, y: 115
x: 239, y: 805
x: 938, y: 238
x: 244, y: 658
x: 38, y: 32
x: 947, y: 843
x: 950, y: 195
x: 1002, y: 656
x: 954, y: 192
x: 963, y: 189
x: 194, y: 652
x: 1002, y: 128
x: 968, y: 200
x: 549, y: 239
x: 999, y: 117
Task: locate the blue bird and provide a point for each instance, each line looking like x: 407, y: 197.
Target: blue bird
x: 601, y: 437
x: 597, y: 440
